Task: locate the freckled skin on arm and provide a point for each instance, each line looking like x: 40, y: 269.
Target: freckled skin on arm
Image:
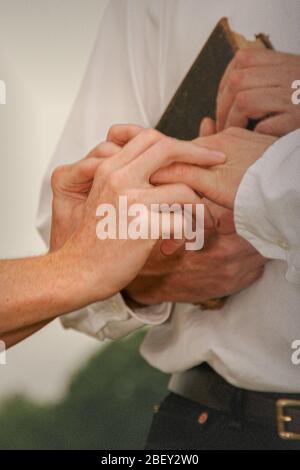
x: 33, y: 292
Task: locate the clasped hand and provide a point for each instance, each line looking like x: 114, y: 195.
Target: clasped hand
x: 150, y: 167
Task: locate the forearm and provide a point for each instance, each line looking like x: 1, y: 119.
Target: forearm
x: 16, y: 336
x: 35, y: 290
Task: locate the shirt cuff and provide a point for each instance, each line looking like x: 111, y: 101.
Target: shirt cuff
x: 252, y: 223
x: 113, y: 319
x: 266, y: 204
x: 252, y: 216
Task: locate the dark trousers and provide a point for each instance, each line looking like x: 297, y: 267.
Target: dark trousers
x: 181, y: 424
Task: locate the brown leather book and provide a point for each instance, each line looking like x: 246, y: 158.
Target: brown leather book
x: 196, y: 96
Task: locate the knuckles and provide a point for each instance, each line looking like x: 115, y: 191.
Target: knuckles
x: 178, y: 171
x: 113, y: 180
x: 104, y: 150
x: 235, y: 80
x: 167, y: 146
x: 225, y: 252
x: 242, y: 101
x: 57, y: 176
x: 246, y: 57
x: 150, y: 134
x: 230, y: 271
x: 133, y: 196
x: 113, y: 131
x: 104, y: 171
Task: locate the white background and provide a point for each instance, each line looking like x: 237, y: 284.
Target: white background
x: 44, y: 49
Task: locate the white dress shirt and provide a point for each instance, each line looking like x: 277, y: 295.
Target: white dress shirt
x: 143, y: 51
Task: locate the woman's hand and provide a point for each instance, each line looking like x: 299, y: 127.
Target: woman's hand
x: 71, y: 185
x: 106, y: 266
x: 220, y: 183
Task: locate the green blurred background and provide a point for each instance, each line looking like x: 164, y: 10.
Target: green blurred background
x: 109, y: 405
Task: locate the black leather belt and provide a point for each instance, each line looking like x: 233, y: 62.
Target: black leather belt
x: 204, y: 386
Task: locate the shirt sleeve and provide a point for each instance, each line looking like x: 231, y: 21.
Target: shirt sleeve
x: 113, y: 319
x: 267, y: 205
x: 122, y: 71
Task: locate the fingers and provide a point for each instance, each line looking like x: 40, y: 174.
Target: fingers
x: 254, y: 57
x: 121, y: 134
x: 104, y: 150
x: 171, y: 246
x: 76, y: 177
x: 245, y: 136
x: 200, y: 180
x: 178, y: 193
x: 255, y: 104
x: 190, y: 180
x: 84, y: 170
x: 173, y: 197
x: 135, y: 147
x: 252, y: 68
x: 248, y: 58
x: 277, y: 126
x: 168, y: 150
x: 207, y: 127
x: 246, y: 79
x: 154, y: 150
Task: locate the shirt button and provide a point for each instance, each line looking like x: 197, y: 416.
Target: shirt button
x: 282, y: 244
x: 115, y: 305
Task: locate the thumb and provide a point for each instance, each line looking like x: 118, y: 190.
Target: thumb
x: 76, y: 177
x: 83, y: 171
x: 207, y: 127
x: 121, y: 134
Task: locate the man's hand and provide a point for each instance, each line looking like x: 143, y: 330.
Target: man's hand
x: 220, y: 183
x: 257, y: 85
x: 80, y: 188
x: 82, y: 267
x: 226, y: 264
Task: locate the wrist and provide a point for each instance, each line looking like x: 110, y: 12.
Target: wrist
x: 71, y: 288
x: 84, y: 281
x: 62, y: 225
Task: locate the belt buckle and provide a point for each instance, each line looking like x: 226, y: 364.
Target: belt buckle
x: 282, y: 419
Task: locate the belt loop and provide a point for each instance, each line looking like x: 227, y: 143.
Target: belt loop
x: 237, y: 408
